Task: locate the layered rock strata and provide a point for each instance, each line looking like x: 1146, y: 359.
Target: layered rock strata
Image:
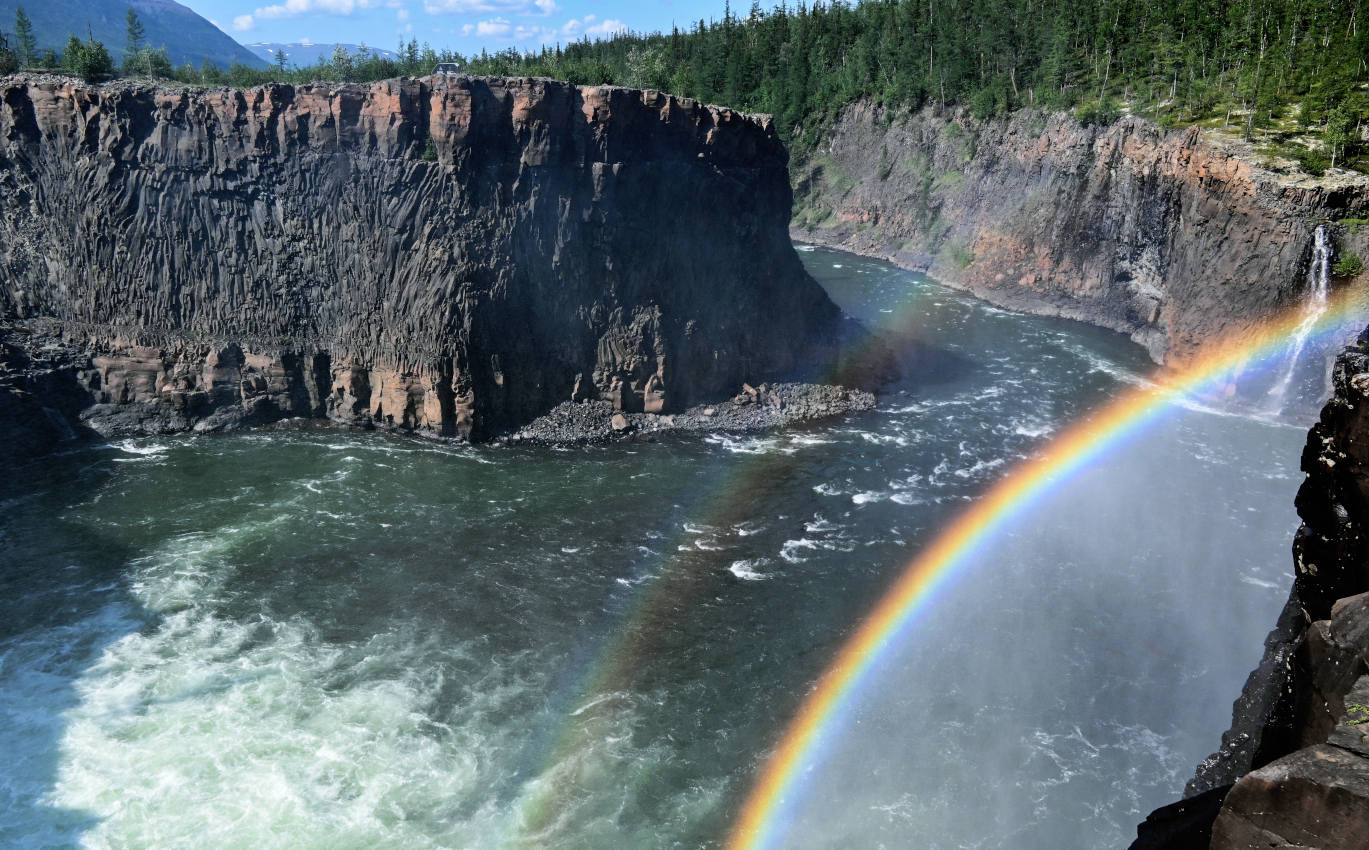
x: 1158, y: 234
x: 454, y: 255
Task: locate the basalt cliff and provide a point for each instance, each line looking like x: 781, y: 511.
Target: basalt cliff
x: 455, y: 255
x: 1160, y: 234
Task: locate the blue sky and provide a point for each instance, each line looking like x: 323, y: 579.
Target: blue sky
x: 464, y: 25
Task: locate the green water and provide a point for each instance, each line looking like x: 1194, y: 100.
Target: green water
x: 333, y: 640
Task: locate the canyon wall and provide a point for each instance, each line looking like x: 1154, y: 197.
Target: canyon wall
x: 1157, y: 234
x: 452, y: 254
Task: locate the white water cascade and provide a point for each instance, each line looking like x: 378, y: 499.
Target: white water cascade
x: 1319, y: 288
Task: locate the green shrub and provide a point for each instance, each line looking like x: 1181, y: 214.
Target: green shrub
x: 1101, y: 112
x: 9, y: 63
x: 1348, y: 265
x: 153, y: 63
x: 88, y: 60
x: 961, y: 255
x: 429, y: 151
x: 1314, y: 162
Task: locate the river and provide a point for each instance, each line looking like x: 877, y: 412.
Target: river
x: 325, y: 639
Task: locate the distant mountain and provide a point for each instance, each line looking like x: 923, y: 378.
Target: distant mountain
x: 305, y: 53
x: 186, y: 36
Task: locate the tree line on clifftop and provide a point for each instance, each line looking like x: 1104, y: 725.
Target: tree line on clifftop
x: 1291, y: 74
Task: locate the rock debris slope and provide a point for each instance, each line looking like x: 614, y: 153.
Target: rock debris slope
x: 453, y: 254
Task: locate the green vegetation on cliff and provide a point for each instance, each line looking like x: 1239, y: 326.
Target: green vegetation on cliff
x: 1288, y: 71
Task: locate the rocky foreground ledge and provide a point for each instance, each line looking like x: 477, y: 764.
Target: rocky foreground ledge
x: 1293, y: 770
x: 451, y: 255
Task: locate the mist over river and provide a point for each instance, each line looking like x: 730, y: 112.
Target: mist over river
x: 328, y: 639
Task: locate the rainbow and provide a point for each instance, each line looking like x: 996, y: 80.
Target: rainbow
x: 774, y: 794
x: 538, y: 808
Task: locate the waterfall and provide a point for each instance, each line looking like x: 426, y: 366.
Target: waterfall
x: 1314, y: 305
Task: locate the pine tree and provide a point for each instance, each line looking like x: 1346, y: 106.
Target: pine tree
x: 25, y: 46
x: 133, y: 51
x: 1337, y: 132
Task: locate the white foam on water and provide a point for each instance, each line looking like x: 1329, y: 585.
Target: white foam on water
x: 744, y: 445
x: 791, y: 548
x: 206, y: 731
x: 820, y: 525
x: 746, y: 569
x: 747, y: 528
x: 1031, y: 428
x: 139, y: 447
x: 979, y: 468
x: 1256, y: 581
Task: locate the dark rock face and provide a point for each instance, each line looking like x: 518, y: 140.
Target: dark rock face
x: 454, y: 255
x: 1296, y: 751
x: 1185, y: 825
x: 1157, y: 234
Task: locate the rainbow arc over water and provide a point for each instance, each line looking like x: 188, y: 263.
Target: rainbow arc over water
x: 777, y: 790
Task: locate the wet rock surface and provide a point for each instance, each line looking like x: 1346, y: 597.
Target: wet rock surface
x: 451, y: 255
x: 1159, y: 234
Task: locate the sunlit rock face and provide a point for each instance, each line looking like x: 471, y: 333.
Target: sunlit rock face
x: 1154, y: 233
x: 450, y: 254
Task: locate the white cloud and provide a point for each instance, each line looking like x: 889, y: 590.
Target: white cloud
x: 402, y: 15
x: 528, y: 33
x: 576, y: 27
x: 242, y: 22
x: 294, y: 8
x: 501, y: 7
x: 607, y: 27
x: 493, y: 27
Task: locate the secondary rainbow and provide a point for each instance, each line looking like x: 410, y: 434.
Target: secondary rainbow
x: 761, y: 816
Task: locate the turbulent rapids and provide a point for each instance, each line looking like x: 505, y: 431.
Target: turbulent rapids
x: 317, y: 639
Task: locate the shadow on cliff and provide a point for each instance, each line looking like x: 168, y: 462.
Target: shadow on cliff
x: 64, y: 598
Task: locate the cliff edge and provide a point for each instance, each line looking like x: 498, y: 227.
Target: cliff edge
x: 1159, y: 234
x: 454, y: 255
